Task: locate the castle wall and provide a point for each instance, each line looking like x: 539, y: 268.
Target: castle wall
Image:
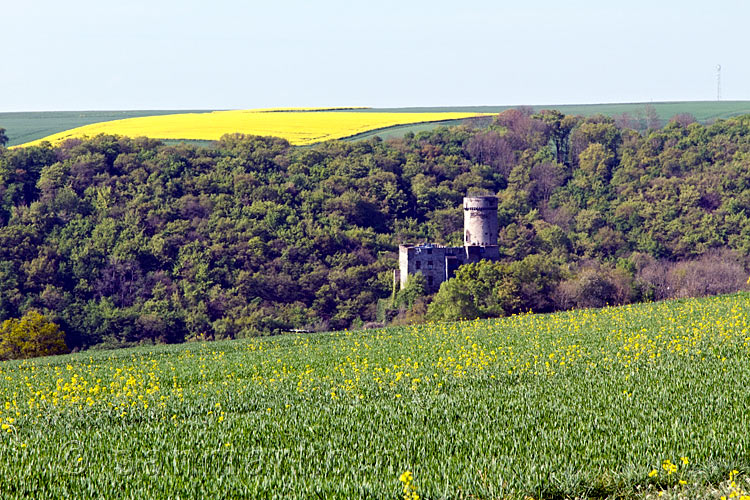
x: 438, y: 263
x: 403, y: 264
x: 426, y: 259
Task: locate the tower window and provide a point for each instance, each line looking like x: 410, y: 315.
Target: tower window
x: 429, y: 264
x: 418, y: 264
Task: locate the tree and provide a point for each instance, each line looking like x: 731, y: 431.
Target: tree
x: 482, y: 289
x: 490, y: 148
x: 594, y: 129
x: 596, y: 161
x: 452, y: 302
x: 3, y: 137
x: 560, y: 126
x: 31, y: 336
x: 652, y: 117
x: 415, y: 287
x: 683, y: 119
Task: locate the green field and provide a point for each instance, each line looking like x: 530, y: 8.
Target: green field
x: 401, y: 130
x: 619, y: 402
x: 703, y: 111
x: 26, y: 127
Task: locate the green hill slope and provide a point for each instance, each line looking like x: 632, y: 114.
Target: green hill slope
x: 703, y: 111
x: 573, y: 405
x: 26, y: 127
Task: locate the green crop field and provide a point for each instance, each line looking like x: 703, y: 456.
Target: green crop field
x: 703, y: 111
x: 627, y: 402
x: 25, y: 127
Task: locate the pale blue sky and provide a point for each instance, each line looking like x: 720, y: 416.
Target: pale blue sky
x: 221, y: 54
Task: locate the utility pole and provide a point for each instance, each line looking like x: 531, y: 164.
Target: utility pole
x: 718, y: 82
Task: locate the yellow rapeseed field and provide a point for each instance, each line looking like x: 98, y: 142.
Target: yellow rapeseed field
x: 298, y: 126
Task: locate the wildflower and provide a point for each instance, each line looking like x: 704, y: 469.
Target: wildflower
x: 669, y: 467
x: 410, y: 491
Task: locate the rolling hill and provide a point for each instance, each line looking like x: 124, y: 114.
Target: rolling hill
x: 23, y: 128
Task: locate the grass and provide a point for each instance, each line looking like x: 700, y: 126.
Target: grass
x: 28, y: 127
x: 576, y: 404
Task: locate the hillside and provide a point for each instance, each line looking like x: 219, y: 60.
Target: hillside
x: 631, y: 401
x: 298, y: 126
x: 28, y: 127
x: 121, y: 241
x: 634, y: 114
x: 31, y: 126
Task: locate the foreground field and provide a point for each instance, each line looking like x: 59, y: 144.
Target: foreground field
x: 588, y: 403
x: 299, y: 127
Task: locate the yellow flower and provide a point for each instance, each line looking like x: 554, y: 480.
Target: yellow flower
x: 684, y: 460
x: 298, y: 127
x: 653, y: 473
x: 410, y: 492
x: 669, y: 467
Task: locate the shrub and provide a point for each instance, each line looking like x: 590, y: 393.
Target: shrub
x: 31, y: 336
x: 416, y: 287
x: 453, y: 302
x: 716, y: 272
x: 595, y: 286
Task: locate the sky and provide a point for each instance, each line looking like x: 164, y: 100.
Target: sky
x: 221, y: 54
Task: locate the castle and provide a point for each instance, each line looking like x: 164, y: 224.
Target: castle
x: 438, y: 263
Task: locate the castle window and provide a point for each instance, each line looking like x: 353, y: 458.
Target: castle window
x: 429, y: 264
x: 418, y: 264
x: 429, y: 251
x: 430, y: 280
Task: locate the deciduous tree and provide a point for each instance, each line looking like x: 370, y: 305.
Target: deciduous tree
x: 31, y: 336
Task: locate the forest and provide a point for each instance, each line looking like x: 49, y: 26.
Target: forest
x: 122, y: 240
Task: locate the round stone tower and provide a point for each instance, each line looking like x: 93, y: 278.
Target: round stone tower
x: 480, y: 221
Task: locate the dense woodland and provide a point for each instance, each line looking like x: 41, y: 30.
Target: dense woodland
x: 123, y: 240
